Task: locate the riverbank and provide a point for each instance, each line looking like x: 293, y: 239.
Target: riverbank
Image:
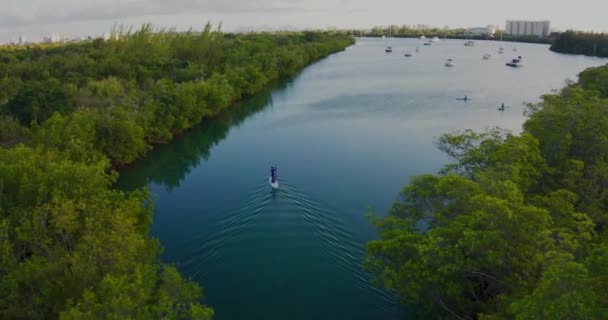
x: 589, y: 44
x: 70, y: 240
x: 147, y: 86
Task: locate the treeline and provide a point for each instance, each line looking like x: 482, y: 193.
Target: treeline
x: 517, y: 227
x: 141, y: 88
x: 589, y: 44
x: 460, y: 33
x: 71, y: 246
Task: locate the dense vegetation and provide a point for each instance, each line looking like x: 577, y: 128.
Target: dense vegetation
x: 517, y: 227
x: 589, y: 44
x: 71, y: 246
x: 142, y: 88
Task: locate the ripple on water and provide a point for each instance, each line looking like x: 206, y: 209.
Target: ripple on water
x: 279, y: 219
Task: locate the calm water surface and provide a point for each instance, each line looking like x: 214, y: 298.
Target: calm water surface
x: 347, y: 134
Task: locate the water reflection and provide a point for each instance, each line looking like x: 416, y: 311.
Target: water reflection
x: 169, y: 164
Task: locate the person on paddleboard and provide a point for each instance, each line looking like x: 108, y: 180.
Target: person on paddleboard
x: 273, y: 173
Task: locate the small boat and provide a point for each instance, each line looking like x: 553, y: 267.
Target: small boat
x: 469, y: 43
x: 594, y: 51
x: 449, y: 63
x: 273, y: 180
x: 517, y: 62
x: 408, y: 54
x: 422, y: 37
x: 435, y: 39
x: 501, y: 49
x: 487, y: 56
x: 388, y: 49
x: 428, y: 44
x: 465, y: 98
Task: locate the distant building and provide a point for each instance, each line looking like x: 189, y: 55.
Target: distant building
x: 21, y: 40
x: 528, y: 28
x: 483, y: 31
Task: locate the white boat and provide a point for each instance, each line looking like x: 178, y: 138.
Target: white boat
x: 422, y: 37
x: 389, y: 49
x: 594, y: 51
x: 435, y: 39
x: 487, y: 56
x: 469, y: 43
x: 501, y: 49
x: 449, y: 63
x: 517, y: 62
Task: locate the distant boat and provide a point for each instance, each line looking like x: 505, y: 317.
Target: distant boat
x: 501, y: 49
x: 389, y: 49
x: 449, y: 63
x: 408, y: 54
x: 435, y: 39
x: 594, y: 49
x: 469, y: 43
x: 487, y: 56
x: 428, y: 44
x: 422, y: 37
x: 517, y: 62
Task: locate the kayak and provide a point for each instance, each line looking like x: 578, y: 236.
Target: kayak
x: 275, y: 184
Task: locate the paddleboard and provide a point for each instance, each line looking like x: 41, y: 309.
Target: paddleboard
x: 274, y: 185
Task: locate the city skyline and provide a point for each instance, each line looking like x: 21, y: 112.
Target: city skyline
x: 73, y: 18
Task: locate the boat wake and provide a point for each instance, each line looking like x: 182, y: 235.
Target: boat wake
x: 287, y: 220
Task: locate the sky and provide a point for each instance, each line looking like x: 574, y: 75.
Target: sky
x: 71, y: 18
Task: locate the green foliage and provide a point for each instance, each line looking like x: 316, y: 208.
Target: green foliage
x: 147, y: 85
x: 11, y: 131
x: 517, y: 227
x: 589, y: 44
x: 595, y: 79
x: 71, y: 247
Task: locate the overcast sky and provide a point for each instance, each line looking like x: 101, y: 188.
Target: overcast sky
x: 35, y: 18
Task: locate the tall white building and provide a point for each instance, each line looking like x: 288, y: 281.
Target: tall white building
x: 528, y: 28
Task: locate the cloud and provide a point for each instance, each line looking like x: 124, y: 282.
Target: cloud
x: 71, y: 10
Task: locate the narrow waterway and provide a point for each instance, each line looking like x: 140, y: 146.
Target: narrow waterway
x: 346, y: 134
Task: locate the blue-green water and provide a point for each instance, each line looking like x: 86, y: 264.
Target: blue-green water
x: 346, y: 134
